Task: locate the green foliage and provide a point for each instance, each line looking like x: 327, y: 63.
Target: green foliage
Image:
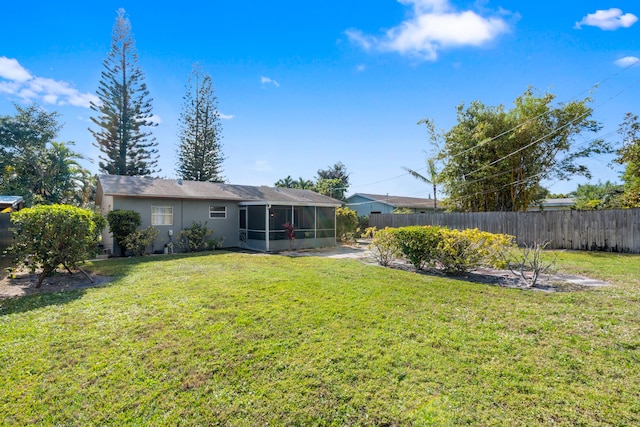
x: 33, y: 165
x: 418, y: 243
x: 495, y: 160
x: 598, y: 196
x: 369, y: 232
x: 346, y: 223
x: 300, y: 183
x: 194, y: 238
x: 123, y: 223
x: 403, y: 211
x: 48, y: 236
x: 200, y: 150
x: 333, y: 181
x: 363, y: 223
x: 139, y: 241
x: 629, y: 155
x: 384, y: 247
x: 455, y: 251
x: 459, y: 251
x: 124, y: 111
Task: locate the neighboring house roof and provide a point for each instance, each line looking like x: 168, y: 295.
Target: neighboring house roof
x: 10, y: 203
x: 553, y: 204
x: 397, y: 201
x: 138, y: 186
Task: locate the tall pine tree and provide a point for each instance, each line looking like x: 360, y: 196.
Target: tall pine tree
x: 124, y: 112
x: 200, y: 149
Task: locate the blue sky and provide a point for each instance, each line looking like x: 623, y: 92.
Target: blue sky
x: 303, y: 85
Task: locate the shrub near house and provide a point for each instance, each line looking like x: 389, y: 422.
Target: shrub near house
x: 48, y: 236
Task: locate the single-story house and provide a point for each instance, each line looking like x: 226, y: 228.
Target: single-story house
x: 249, y: 217
x: 557, y: 204
x: 366, y: 204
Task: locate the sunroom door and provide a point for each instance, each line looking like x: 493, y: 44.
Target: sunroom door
x: 242, y: 227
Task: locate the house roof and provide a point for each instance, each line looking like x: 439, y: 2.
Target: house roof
x: 10, y: 203
x: 145, y: 187
x: 398, y: 201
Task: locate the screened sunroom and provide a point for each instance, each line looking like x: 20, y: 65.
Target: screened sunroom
x: 262, y: 226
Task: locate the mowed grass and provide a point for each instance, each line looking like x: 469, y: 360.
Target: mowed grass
x: 241, y: 339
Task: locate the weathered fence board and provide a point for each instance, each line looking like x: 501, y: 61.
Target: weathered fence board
x: 605, y: 230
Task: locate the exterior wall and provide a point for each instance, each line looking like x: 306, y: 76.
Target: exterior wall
x: 185, y: 212
x: 283, y: 245
x: 364, y: 206
x: 105, y: 207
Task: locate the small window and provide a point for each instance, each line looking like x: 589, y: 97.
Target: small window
x: 161, y: 215
x: 217, y: 212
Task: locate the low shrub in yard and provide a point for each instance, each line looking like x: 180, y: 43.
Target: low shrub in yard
x: 346, y: 224
x: 384, y: 247
x: 418, y: 244
x: 459, y: 251
x: 138, y: 241
x: 194, y: 238
x: 455, y: 251
x: 48, y: 236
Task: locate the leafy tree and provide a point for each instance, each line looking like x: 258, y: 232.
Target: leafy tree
x: 122, y: 223
x: 200, y: 155
x: 331, y: 187
x: 124, y: 110
x: 48, y: 236
x: 33, y: 165
x: 333, y: 181
x: 495, y: 160
x: 598, y: 196
x: 629, y: 155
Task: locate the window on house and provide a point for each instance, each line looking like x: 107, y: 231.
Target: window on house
x: 217, y: 212
x: 161, y: 215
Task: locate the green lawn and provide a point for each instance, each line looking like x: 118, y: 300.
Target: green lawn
x: 239, y: 339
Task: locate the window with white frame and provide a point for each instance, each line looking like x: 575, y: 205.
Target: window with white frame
x: 217, y: 212
x: 161, y: 215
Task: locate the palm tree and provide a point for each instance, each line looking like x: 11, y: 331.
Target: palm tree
x: 288, y: 182
x: 433, y: 178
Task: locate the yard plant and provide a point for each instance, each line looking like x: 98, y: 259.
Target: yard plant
x: 50, y: 236
x: 241, y: 339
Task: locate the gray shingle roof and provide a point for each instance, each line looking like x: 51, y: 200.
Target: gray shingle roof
x: 399, y: 201
x: 138, y: 186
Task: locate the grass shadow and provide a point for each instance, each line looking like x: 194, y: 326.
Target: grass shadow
x: 31, y: 302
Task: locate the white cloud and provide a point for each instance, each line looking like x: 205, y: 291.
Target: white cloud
x: 627, y: 61
x: 10, y: 69
x: 268, y: 81
x: 225, y: 116
x: 18, y: 82
x: 434, y: 26
x: 261, y: 166
x: 609, y: 20
x: 360, y: 68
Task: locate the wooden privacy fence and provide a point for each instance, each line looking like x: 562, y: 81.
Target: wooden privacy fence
x: 606, y: 230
